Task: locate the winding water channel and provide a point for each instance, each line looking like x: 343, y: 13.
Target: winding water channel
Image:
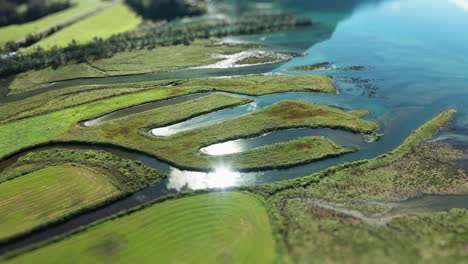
x: 415, y: 61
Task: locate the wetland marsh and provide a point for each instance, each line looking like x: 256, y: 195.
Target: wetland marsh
x: 339, y: 135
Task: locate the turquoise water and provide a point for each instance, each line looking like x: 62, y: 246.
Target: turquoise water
x: 414, y: 53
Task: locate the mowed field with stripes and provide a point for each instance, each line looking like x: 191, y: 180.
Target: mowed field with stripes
x: 45, y: 195
x: 223, y: 227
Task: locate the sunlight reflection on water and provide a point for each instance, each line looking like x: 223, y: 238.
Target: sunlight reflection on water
x: 221, y: 177
x: 225, y: 148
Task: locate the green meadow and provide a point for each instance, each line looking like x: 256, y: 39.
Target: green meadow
x: 14, y: 32
x: 209, y: 228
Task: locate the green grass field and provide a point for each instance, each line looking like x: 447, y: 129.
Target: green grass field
x: 225, y: 227
x: 116, y: 19
x: 42, y: 196
x: 13, y: 32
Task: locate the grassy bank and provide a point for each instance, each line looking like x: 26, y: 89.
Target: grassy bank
x: 55, y: 100
x: 187, y: 144
x: 262, y: 58
x: 50, y: 126
x: 130, y: 62
x: 287, y: 154
x: 126, y: 175
x: 102, y: 25
x: 41, y: 196
x: 60, y: 99
x: 343, y: 175
x: 331, y: 237
x: 49, y: 186
x: 185, y: 229
x: 13, y: 32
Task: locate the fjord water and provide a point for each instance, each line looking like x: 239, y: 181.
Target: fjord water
x: 415, y: 52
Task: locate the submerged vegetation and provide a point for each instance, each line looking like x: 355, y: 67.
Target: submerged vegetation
x: 311, y: 67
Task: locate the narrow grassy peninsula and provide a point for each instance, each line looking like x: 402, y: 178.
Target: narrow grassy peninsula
x: 292, y: 153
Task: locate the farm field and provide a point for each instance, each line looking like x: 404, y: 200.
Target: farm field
x: 50, y: 186
x: 42, y: 196
x: 207, y: 228
x: 101, y: 25
x: 13, y: 32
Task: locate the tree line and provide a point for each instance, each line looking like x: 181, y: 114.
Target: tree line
x: 167, y: 9
x: 148, y: 36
